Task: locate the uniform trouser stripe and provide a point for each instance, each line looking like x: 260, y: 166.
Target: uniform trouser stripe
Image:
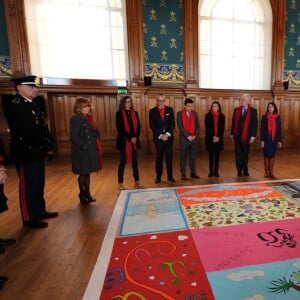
x: 23, y: 203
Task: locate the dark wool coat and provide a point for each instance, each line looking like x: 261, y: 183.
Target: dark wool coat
x: 123, y: 136
x: 83, y: 145
x: 209, y: 131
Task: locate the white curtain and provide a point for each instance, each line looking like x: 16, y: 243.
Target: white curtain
x: 235, y: 44
x: 77, y: 38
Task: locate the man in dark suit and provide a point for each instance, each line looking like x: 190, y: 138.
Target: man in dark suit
x: 243, y: 133
x: 189, y: 127
x: 162, y: 122
x: 29, y: 144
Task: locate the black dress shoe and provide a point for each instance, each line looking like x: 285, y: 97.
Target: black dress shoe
x: 91, y: 199
x: 35, y: 224
x: 211, y: 174
x: 157, y: 180
x: 239, y: 173
x: 48, y: 215
x: 216, y: 174
x: 171, y: 179
x: 83, y: 199
x: 7, y: 242
x: 2, y: 249
x: 246, y: 173
x: 3, y: 279
x: 183, y: 177
x: 195, y: 176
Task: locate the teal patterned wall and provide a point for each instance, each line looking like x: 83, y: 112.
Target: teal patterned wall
x: 5, y: 68
x: 292, y: 42
x: 163, y: 43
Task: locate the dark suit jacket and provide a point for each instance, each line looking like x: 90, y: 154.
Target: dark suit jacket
x: 123, y: 135
x: 210, y: 131
x: 158, y: 126
x: 183, y: 135
x: 252, y: 125
x: 27, y: 128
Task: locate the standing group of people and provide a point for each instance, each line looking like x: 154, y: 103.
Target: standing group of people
x: 162, y: 123
x: 30, y: 142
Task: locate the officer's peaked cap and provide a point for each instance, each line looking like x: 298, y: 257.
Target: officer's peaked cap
x: 25, y: 80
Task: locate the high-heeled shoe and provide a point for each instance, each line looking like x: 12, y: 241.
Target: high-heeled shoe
x: 83, y: 199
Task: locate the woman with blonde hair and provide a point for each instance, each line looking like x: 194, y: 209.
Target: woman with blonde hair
x: 85, y: 147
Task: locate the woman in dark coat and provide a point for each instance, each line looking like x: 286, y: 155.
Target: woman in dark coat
x: 129, y: 128
x: 270, y: 137
x: 85, y: 146
x: 214, y: 131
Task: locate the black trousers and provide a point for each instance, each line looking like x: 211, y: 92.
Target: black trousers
x: 164, y: 149
x: 135, y: 169
x: 241, y: 156
x: 31, y: 189
x: 214, y: 158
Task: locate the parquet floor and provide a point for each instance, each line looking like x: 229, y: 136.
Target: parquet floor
x: 56, y: 262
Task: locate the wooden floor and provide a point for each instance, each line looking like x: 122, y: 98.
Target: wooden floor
x: 56, y: 262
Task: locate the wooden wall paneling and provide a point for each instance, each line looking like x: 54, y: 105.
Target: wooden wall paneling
x: 135, y: 38
x: 190, y: 42
x: 279, y: 19
x: 17, y: 36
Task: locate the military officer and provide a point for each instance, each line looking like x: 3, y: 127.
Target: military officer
x: 29, y: 145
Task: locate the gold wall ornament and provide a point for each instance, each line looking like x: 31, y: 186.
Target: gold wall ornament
x: 163, y: 29
x: 145, y: 27
x: 181, y: 30
x: 173, y: 43
x: 181, y: 56
x: 172, y: 16
x: 163, y: 3
x: 293, y: 83
x: 293, y: 4
x: 145, y: 54
x: 164, y: 55
x: 172, y: 76
x: 298, y: 63
x: 153, y: 42
x: 153, y: 15
x: 5, y: 70
x: 291, y: 51
x: 292, y: 28
x: 298, y: 40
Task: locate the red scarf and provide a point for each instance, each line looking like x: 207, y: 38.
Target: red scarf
x: 216, y: 118
x: 237, y: 116
x: 272, y: 124
x: 129, y: 145
x: 99, y: 146
x: 162, y: 112
x: 189, y: 124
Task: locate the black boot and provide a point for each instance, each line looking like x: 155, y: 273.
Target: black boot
x: 83, y: 199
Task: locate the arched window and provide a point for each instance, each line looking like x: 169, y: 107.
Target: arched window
x: 235, y: 44
x: 77, y: 38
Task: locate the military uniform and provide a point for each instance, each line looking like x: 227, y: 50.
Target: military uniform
x: 29, y: 143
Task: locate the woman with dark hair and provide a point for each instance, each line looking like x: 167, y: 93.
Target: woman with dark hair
x: 85, y: 147
x: 270, y: 137
x: 214, y: 131
x: 129, y: 128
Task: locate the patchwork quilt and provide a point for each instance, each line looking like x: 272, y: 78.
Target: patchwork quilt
x: 236, y: 241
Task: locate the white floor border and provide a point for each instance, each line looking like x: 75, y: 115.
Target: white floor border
x: 97, y: 278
